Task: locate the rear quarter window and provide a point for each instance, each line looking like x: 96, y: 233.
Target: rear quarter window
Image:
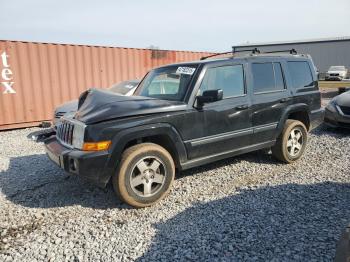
x: 300, y: 74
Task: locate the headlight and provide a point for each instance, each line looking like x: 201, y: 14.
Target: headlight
x: 332, y: 106
x: 78, y: 135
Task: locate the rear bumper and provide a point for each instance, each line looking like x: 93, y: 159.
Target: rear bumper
x: 89, y: 165
x: 316, y: 118
x: 337, y: 78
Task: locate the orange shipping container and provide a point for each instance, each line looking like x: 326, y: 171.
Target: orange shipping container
x: 37, y: 77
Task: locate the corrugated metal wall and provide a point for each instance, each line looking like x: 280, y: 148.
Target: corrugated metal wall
x: 44, y: 76
x: 324, y: 53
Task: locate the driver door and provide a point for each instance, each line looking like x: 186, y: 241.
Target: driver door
x: 226, y: 124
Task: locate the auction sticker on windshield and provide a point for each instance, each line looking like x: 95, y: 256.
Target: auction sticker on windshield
x: 185, y: 70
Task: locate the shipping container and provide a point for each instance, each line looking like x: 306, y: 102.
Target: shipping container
x: 37, y: 77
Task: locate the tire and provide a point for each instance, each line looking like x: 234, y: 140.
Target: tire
x: 289, y: 147
x: 145, y: 175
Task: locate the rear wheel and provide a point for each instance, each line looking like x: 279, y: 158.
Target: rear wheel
x: 145, y: 175
x: 291, y: 143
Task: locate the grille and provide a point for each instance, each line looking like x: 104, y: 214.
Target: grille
x: 334, y: 74
x: 345, y: 110
x: 64, y: 132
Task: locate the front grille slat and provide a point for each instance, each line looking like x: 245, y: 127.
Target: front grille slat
x: 65, y: 132
x: 71, y: 135
x: 66, y: 127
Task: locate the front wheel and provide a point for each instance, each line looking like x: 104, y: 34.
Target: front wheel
x: 145, y: 175
x: 291, y: 143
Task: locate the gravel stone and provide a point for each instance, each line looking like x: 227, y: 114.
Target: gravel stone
x: 249, y: 208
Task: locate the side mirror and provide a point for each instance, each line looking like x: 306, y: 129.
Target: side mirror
x: 209, y: 96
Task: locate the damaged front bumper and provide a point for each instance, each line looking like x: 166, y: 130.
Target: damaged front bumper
x: 41, y: 135
x: 89, y: 165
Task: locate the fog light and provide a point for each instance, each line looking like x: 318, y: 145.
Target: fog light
x: 96, y: 146
x: 72, y: 165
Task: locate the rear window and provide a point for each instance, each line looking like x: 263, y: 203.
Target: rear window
x: 267, y: 77
x: 300, y: 73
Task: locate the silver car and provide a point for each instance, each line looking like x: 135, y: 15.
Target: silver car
x: 336, y: 73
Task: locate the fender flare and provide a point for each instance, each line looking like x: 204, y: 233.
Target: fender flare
x: 290, y: 109
x: 121, y: 139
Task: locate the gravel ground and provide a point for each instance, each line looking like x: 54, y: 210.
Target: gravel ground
x: 249, y: 207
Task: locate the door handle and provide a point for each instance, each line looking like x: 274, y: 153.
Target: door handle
x: 242, y: 107
x: 283, y: 100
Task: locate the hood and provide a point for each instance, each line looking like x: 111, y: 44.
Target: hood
x: 343, y: 99
x: 70, y: 106
x: 99, y: 105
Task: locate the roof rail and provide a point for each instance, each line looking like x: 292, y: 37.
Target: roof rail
x: 254, y: 51
x: 291, y: 51
x: 224, y: 53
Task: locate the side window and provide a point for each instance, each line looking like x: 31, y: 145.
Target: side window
x: 300, y: 73
x: 267, y: 77
x: 228, y: 78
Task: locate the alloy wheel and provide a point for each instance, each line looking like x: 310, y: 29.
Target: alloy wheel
x: 148, y: 176
x: 295, y: 142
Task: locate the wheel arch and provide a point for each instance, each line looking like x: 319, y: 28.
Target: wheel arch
x: 162, y: 134
x: 298, y: 112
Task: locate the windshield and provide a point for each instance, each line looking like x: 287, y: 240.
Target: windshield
x: 167, y: 83
x: 340, y: 68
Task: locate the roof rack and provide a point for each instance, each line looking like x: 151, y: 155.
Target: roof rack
x: 254, y: 51
x: 290, y: 51
x: 224, y: 53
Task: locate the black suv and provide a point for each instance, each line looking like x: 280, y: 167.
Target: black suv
x: 189, y: 114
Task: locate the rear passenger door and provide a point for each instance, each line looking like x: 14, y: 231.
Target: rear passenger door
x: 269, y: 97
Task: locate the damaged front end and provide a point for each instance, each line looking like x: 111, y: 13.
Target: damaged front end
x: 41, y: 135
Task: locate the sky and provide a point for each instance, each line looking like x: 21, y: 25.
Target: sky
x: 197, y: 25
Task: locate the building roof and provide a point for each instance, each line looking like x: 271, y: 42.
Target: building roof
x: 314, y: 40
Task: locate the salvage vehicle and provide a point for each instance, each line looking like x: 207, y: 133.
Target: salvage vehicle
x: 336, y: 73
x: 337, y: 112
x: 189, y: 114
